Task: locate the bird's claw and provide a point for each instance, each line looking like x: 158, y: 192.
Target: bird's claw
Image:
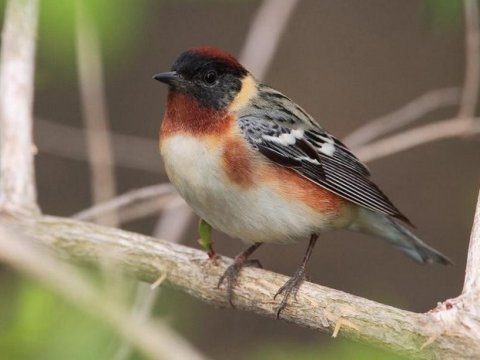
x: 290, y: 288
x: 231, y: 275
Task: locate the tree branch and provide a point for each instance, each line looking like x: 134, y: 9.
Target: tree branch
x: 317, y: 307
x: 471, y: 83
x: 418, y: 136
x: 408, y: 113
x: 264, y: 35
x: 95, y: 112
x: 17, y: 60
x: 70, y: 144
x: 134, y: 204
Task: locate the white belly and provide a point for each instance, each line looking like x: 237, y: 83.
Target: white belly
x: 255, y: 214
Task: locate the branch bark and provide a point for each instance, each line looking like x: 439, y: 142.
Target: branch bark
x: 156, y: 340
x: 17, y: 60
x: 317, y: 307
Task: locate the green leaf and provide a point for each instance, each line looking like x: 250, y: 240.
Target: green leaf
x: 205, y: 232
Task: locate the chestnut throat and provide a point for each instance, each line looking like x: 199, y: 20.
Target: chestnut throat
x: 185, y: 114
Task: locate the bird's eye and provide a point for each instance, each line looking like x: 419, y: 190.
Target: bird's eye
x: 210, y: 77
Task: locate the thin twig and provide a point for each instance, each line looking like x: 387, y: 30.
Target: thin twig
x: 157, y: 340
x: 126, y: 204
x: 17, y: 62
x: 414, y: 110
x: 133, y: 152
x: 95, y: 112
x: 418, y: 136
x: 264, y: 35
x: 471, y: 82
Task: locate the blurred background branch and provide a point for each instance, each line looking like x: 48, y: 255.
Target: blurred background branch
x: 17, y: 63
x: 420, y: 135
x: 135, y: 204
x: 132, y: 152
x: 407, y: 114
x: 465, y: 124
x: 471, y: 83
x: 264, y: 35
x: 92, y: 91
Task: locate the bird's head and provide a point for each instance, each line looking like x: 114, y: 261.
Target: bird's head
x: 211, y: 76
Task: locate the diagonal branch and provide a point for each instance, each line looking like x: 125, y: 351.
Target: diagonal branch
x: 264, y: 35
x: 421, y: 135
x: 134, y: 204
x: 17, y: 60
x: 428, y: 102
x: 317, y: 307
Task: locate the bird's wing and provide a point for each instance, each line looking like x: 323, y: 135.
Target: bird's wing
x: 285, y: 134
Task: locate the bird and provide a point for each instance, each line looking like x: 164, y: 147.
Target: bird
x: 256, y: 166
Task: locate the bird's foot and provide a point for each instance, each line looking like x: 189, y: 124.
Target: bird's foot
x: 232, y: 272
x: 212, y: 256
x: 290, y: 288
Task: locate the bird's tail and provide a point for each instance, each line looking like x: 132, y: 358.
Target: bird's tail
x: 383, y: 226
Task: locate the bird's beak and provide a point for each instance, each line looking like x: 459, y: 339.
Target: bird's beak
x: 167, y: 77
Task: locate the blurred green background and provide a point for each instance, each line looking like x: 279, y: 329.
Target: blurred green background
x: 344, y: 61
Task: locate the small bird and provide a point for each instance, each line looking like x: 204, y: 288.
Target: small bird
x: 256, y: 166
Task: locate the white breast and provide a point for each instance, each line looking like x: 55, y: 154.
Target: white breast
x: 254, y: 214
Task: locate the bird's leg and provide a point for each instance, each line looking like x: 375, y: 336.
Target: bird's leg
x: 233, y: 270
x: 205, y: 232
x: 293, y: 284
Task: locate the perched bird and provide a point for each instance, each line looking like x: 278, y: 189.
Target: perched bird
x: 255, y: 165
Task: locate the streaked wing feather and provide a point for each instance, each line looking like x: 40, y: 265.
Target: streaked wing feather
x: 350, y: 185
x: 287, y: 135
x: 342, y: 154
x: 279, y: 157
